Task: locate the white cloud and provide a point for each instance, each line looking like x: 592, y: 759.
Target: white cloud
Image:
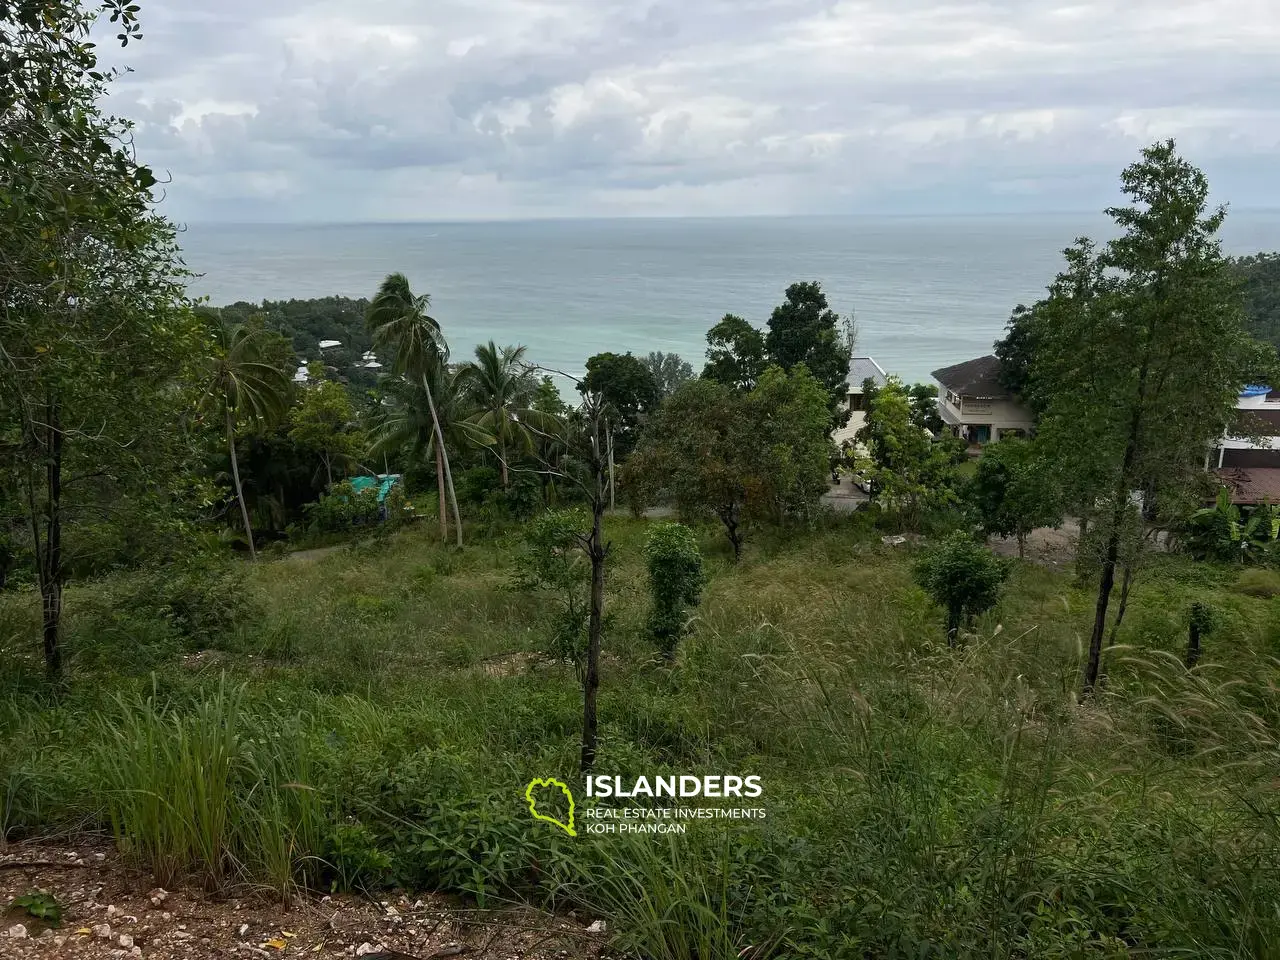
x: 537, y: 107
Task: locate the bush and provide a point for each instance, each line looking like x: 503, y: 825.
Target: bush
x: 963, y: 577
x: 474, y: 486
x: 344, y: 508
x: 675, y: 580
x: 1259, y: 582
x: 147, y: 615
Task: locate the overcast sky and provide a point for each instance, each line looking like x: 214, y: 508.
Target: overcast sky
x: 462, y: 109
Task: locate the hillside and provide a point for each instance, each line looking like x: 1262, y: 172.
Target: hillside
x: 382, y: 707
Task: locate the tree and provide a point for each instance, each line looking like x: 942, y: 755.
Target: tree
x: 675, y: 580
x: 242, y: 387
x: 407, y: 420
x: 399, y: 322
x: 735, y: 353
x: 963, y: 577
x: 923, y: 398
x: 668, y: 372
x: 323, y: 421
x: 627, y: 386
x: 501, y: 385
x: 910, y: 471
x: 1259, y: 277
x: 804, y: 329
x: 1013, y: 492
x: 1140, y: 354
x: 741, y: 458
x: 94, y: 335
x: 579, y: 442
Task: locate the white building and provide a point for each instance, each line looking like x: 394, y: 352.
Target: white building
x: 1247, y: 458
x: 861, y: 369
x: 976, y: 406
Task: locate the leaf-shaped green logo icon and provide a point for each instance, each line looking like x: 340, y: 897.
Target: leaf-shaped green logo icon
x: 550, y: 783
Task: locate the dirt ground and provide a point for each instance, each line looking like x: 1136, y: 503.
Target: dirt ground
x: 109, y: 910
x: 1045, y: 545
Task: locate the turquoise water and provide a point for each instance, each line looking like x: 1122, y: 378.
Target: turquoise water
x: 926, y: 292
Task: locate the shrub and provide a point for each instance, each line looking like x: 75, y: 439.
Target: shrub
x: 344, y: 508
x: 474, y: 486
x: 675, y: 580
x: 552, y: 563
x: 963, y: 577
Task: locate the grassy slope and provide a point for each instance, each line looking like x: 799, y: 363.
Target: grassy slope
x: 915, y: 795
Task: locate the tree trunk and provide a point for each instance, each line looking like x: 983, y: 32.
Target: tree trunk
x: 442, y: 494
x: 1125, y: 583
x: 1022, y: 545
x: 444, y: 455
x: 612, y: 504
x: 502, y: 459
x: 328, y: 468
x: 596, y: 550
x: 953, y: 626
x: 235, y: 477
x: 51, y: 555
x: 729, y: 517
x: 1193, y: 644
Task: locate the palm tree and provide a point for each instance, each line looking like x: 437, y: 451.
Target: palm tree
x: 406, y: 424
x: 501, y: 384
x: 243, y: 385
x: 398, y: 320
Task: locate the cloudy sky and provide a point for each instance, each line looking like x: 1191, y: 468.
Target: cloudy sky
x: 462, y: 109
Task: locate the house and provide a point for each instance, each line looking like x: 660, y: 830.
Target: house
x: 861, y: 369
x: 1249, y: 466
x: 976, y: 406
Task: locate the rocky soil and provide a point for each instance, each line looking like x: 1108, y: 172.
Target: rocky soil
x: 109, y: 910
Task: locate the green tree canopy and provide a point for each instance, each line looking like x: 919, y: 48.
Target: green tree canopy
x: 735, y: 353
x: 742, y: 458
x: 910, y: 471
x: 668, y: 370
x: 1139, y: 353
x: 1013, y: 491
x: 626, y: 385
x: 963, y: 577
x: 805, y: 330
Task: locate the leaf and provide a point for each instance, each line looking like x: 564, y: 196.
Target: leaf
x: 277, y: 943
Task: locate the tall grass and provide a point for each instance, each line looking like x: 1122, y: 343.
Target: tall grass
x: 378, y: 727
x: 206, y: 794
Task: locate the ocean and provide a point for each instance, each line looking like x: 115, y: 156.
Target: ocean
x: 925, y: 291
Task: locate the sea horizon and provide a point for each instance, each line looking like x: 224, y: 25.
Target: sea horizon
x: 925, y: 291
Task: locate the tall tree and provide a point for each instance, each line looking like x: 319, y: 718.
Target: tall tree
x: 399, y: 322
x: 323, y: 422
x: 741, y: 458
x: 1259, y: 277
x: 735, y: 353
x: 1140, y: 354
x: 577, y: 453
x: 405, y: 424
x: 626, y: 386
x: 92, y: 332
x: 1013, y: 491
x: 668, y: 370
x: 804, y: 329
x: 910, y: 471
x: 242, y: 387
x: 501, y: 385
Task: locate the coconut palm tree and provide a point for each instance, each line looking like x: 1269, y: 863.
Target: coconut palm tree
x: 243, y: 385
x: 502, y: 386
x: 406, y: 424
x: 399, y: 322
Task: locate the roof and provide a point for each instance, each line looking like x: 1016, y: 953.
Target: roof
x: 974, y: 378
x: 1251, y: 484
x: 865, y: 368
